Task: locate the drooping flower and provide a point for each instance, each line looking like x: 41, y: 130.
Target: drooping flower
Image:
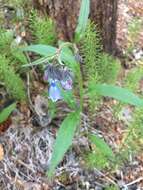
x: 54, y: 92
x: 52, y: 72
x: 67, y: 80
x: 58, y: 78
x: 66, y: 84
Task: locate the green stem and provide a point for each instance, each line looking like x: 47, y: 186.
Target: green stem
x: 79, y: 76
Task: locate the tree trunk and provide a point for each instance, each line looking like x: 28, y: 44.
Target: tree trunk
x: 104, y: 13
x: 65, y: 14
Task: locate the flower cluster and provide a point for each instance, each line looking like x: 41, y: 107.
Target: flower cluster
x: 58, y: 78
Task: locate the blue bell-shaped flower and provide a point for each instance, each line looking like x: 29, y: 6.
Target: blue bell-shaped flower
x: 54, y: 92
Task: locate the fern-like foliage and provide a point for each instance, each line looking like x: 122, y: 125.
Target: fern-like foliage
x: 9, y: 48
x: 98, y: 67
x: 42, y: 29
x: 6, y: 38
x: 91, y: 49
x: 109, y: 69
x: 12, y: 81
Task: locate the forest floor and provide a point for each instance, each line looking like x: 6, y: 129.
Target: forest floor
x: 26, y: 147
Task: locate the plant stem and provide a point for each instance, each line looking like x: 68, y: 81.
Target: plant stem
x: 79, y: 77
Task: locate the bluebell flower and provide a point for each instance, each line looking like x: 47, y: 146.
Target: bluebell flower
x: 67, y: 80
x: 66, y: 84
x: 52, y: 72
x: 58, y: 78
x: 54, y: 92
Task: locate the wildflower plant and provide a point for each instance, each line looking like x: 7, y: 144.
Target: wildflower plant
x: 62, y: 72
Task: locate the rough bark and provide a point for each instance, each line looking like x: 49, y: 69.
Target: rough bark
x: 104, y: 13
x: 65, y: 14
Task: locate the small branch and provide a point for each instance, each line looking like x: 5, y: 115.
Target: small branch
x: 107, y: 178
x: 22, y: 163
x: 133, y: 182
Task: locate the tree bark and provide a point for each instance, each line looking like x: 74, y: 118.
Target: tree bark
x: 104, y: 13
x: 65, y: 13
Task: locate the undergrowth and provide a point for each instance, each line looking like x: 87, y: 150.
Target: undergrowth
x: 99, y: 67
x: 134, y: 29
x: 132, y: 138
x: 11, y: 60
x: 12, y: 81
x: 131, y: 82
x: 10, y: 48
x: 42, y: 29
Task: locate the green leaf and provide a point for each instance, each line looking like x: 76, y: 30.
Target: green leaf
x: 48, y: 51
x: 83, y: 18
x: 44, y: 50
x: 68, y: 58
x: 116, y: 92
x: 64, y: 140
x: 44, y: 59
x: 101, y: 145
x: 6, y: 112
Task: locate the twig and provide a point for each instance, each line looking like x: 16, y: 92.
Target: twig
x: 133, y: 182
x: 106, y: 177
x: 22, y: 163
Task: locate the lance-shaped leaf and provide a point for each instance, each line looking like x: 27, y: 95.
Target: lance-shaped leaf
x: 83, y: 18
x: 101, y: 145
x: 41, y: 49
x: 116, y: 92
x: 63, y: 140
x: 6, y: 112
x: 49, y: 51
